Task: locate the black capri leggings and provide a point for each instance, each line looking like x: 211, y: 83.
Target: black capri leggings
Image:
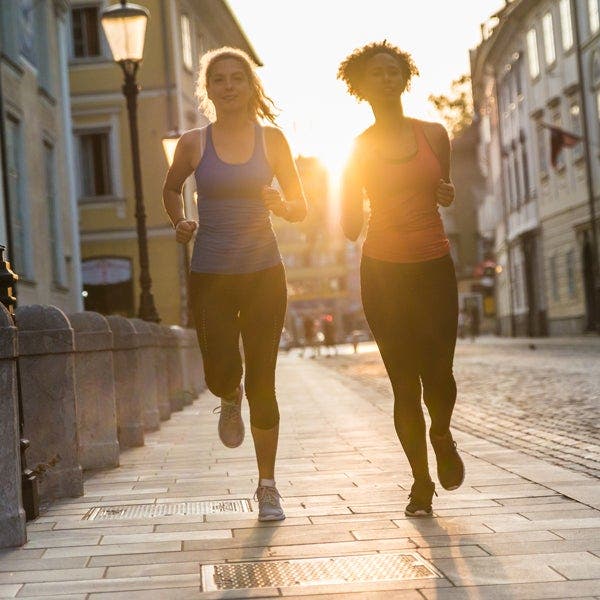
x: 250, y: 304
x: 412, y: 310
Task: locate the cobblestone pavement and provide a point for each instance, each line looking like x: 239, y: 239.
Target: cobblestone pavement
x: 538, y: 396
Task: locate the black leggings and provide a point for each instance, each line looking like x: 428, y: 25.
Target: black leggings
x: 250, y: 304
x: 412, y: 310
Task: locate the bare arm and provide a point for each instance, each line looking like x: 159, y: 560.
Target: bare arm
x: 438, y: 139
x: 352, y: 217
x: 293, y: 208
x: 182, y: 167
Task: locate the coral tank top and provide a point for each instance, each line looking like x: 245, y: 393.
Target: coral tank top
x: 405, y: 224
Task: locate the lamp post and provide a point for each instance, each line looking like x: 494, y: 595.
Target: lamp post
x: 124, y: 25
x: 169, y: 143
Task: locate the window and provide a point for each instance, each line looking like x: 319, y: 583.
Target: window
x: 596, y: 69
x: 575, y: 125
x: 17, y: 198
x: 506, y: 183
x: 27, y: 36
x: 571, y: 274
x: 54, y: 218
x: 594, y: 14
x: 186, y: 41
x: 541, y: 149
x: 95, y: 164
x: 532, y: 53
x: 566, y: 26
x: 554, y: 279
x: 598, y: 107
x: 519, y: 199
x: 33, y: 38
x: 86, y: 32
x: 549, y: 50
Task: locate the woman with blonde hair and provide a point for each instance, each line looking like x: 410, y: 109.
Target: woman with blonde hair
x: 408, y: 284
x: 237, y: 279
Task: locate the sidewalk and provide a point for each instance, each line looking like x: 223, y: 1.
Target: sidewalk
x: 518, y: 528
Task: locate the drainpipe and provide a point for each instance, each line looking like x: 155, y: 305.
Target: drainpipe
x: 588, y: 169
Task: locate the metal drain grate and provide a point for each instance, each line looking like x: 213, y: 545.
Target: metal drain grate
x: 317, y: 571
x: 151, y: 511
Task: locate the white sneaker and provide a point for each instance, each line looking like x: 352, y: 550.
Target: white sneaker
x: 231, y: 425
x: 269, y: 505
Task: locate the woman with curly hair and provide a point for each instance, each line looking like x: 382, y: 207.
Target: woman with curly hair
x: 237, y: 279
x: 408, y: 284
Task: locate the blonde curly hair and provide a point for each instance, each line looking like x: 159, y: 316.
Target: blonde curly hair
x: 352, y: 68
x: 260, y: 105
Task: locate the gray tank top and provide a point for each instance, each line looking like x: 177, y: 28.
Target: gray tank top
x: 235, y: 234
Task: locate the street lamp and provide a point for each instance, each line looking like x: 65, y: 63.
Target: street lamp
x: 169, y: 143
x: 124, y: 25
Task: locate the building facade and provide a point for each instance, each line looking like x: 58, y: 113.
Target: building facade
x: 38, y: 211
x: 178, y: 33
x: 537, y: 207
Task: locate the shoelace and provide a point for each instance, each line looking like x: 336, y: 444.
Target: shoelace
x: 413, y: 496
x: 228, y: 408
x: 265, y: 493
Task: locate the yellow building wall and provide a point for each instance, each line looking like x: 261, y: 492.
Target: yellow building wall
x: 164, y: 255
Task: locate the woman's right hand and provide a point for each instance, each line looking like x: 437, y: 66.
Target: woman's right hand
x: 184, y: 230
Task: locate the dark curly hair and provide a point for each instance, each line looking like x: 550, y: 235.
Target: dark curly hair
x: 351, y: 69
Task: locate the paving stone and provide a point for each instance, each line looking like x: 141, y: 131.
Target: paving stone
x: 113, y: 549
x: 185, y: 593
x: 9, y: 591
x: 58, y: 541
x: 370, y: 587
x: 51, y: 575
x: 339, y: 548
x: 559, y: 590
x: 489, y: 570
x: 278, y: 537
x: 147, y: 570
x: 20, y: 553
x: 580, y: 513
x: 370, y: 595
x: 183, y: 536
x: 48, y: 564
x: 539, y: 547
x: 110, y: 585
x: 578, y: 534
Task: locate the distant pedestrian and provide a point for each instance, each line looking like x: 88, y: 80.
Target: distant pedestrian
x: 408, y: 283
x: 463, y: 323
x: 328, y: 329
x: 310, y: 336
x: 473, y: 323
x: 355, y: 339
x: 237, y: 280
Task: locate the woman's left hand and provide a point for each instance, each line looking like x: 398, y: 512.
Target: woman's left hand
x: 273, y: 201
x: 444, y: 193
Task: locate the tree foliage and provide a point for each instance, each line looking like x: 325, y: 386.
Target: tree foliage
x: 455, y: 108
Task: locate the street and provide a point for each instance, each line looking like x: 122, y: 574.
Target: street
x: 176, y: 519
x: 538, y: 396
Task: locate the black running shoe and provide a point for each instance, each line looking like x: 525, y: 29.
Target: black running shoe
x: 450, y: 467
x: 420, y: 497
